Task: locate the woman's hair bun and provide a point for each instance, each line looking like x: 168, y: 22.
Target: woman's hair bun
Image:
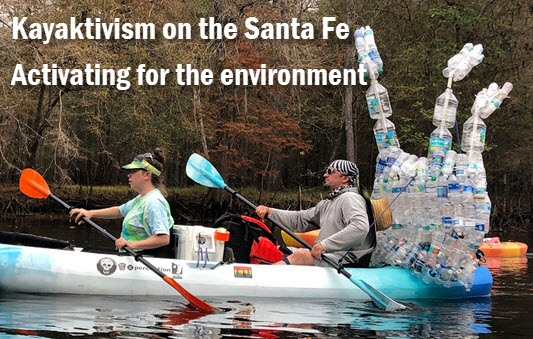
x: 159, y: 155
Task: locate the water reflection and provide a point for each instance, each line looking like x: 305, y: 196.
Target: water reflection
x: 49, y: 316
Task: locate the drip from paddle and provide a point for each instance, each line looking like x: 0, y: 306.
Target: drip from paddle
x: 201, y: 171
x: 33, y: 185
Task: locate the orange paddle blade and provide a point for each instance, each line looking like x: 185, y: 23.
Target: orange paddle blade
x: 196, y: 302
x: 33, y: 185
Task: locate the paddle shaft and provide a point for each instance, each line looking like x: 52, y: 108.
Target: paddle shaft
x: 328, y: 260
x: 202, y: 305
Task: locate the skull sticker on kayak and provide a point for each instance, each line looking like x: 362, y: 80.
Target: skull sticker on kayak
x: 106, y: 266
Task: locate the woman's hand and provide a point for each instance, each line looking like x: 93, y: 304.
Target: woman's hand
x: 79, y: 213
x: 121, y: 242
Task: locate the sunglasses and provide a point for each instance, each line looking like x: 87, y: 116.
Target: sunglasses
x: 330, y: 171
x: 145, y: 156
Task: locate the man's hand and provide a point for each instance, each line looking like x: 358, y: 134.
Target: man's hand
x: 317, y: 250
x: 263, y: 211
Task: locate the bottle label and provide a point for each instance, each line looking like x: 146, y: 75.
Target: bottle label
x: 482, y: 132
x: 439, y: 144
x: 455, y: 187
x: 397, y: 226
x: 434, y: 250
x: 442, y: 191
x: 373, y: 54
x: 396, y: 189
x: 468, y: 189
x: 372, y: 106
x: 420, y: 188
x: 381, y: 165
x: 385, y: 140
x: 479, y: 191
x: 480, y: 227
x: 447, y: 221
x: 460, y: 171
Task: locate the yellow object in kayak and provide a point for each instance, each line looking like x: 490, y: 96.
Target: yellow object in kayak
x: 308, y: 237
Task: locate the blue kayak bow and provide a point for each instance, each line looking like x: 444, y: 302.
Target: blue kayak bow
x: 203, y: 172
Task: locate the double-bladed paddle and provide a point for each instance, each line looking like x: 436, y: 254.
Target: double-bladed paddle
x: 33, y: 185
x: 200, y: 170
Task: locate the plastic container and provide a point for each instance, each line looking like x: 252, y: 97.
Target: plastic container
x: 199, y: 241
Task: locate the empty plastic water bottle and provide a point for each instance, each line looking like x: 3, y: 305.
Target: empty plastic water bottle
x: 449, y: 162
x: 460, y: 167
x: 385, y: 134
x: 377, y: 99
x: 440, y: 141
x: 473, y: 58
x: 474, y: 130
x: 372, y: 49
x: 495, y: 101
x: 456, y: 59
x: 445, y: 109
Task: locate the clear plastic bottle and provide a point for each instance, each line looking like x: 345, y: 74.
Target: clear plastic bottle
x: 385, y: 134
x: 360, y: 46
x: 372, y: 49
x: 496, y: 100
x: 474, y: 130
x: 467, y: 196
x: 456, y: 59
x: 442, y: 188
x: 431, y: 190
x: 454, y: 189
x: 440, y: 142
x: 377, y: 99
x: 473, y: 58
x: 408, y: 168
x: 449, y: 162
x: 422, y: 170
x: 447, y: 211
x: 460, y: 167
x: 483, y: 209
x: 396, y: 167
x: 448, y: 100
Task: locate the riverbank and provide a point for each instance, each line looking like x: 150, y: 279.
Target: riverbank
x: 186, y: 203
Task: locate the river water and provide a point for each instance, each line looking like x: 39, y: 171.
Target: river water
x: 505, y: 314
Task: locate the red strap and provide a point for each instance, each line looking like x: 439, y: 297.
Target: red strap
x: 257, y: 222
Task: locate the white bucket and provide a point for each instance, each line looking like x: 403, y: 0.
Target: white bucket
x: 198, y: 241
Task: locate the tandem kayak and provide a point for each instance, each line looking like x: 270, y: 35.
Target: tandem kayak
x: 492, y: 247
x: 32, y: 269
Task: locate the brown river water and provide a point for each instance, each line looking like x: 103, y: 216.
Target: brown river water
x: 506, y: 314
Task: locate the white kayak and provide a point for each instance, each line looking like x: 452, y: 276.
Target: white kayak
x: 64, y: 271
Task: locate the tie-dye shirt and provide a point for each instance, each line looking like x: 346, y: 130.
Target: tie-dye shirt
x: 146, y: 216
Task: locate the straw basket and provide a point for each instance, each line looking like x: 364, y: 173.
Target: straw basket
x: 378, y: 206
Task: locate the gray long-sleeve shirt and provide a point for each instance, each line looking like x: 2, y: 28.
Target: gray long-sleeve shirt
x: 343, y: 223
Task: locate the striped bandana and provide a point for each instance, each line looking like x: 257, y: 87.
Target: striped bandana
x: 348, y: 169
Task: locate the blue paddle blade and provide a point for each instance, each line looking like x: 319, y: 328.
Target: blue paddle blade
x: 201, y: 171
x: 380, y: 299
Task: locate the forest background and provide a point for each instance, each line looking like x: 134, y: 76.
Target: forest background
x: 275, y: 139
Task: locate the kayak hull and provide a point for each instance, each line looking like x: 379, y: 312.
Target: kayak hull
x: 504, y: 249
x: 43, y: 270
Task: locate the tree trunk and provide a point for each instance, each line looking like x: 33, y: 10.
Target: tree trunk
x: 348, y: 109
